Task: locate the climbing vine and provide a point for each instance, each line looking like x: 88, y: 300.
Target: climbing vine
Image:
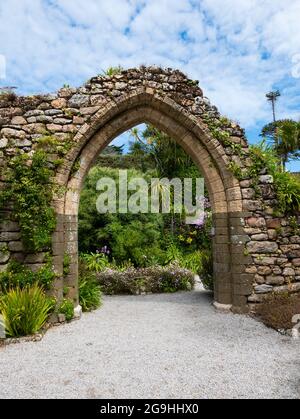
x: 30, y: 191
x: 263, y: 159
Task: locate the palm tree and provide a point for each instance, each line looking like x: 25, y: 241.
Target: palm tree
x: 285, y: 138
x: 272, y: 97
x: 288, y: 140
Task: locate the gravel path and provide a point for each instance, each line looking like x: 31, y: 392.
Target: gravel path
x: 156, y: 346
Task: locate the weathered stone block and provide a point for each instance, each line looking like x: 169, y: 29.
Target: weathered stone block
x: 54, y: 127
x: 256, y: 222
x: 9, y: 236
x: 78, y: 101
x: 289, y: 272
x: 35, y: 112
x: 9, y: 226
x: 274, y: 223
x: 296, y: 262
x: 36, y: 259
x: 276, y: 270
x: 248, y: 193
x: 262, y: 247
x: 275, y: 280
x: 18, y: 142
x: 240, y: 239
x: 4, y: 256
x: 260, y: 237
x: 252, y: 205
x: 13, y: 133
x: 59, y: 103
x: 259, y: 279
x: 266, y: 179
x: 3, y: 142
x: 18, y: 120
x: 264, y: 270
x: 263, y: 289
x: 15, y: 246
x: 272, y: 234
x: 251, y: 270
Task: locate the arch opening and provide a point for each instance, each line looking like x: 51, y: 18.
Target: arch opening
x: 222, y: 187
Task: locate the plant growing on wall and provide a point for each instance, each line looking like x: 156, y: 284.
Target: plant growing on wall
x: 30, y: 192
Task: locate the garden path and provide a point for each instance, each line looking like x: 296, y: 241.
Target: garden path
x: 158, y: 346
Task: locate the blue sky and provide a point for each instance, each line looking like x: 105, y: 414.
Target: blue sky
x: 238, y: 49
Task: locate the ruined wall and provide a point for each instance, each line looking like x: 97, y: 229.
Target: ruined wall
x: 255, y: 251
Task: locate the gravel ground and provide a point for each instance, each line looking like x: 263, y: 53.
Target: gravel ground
x: 156, y: 346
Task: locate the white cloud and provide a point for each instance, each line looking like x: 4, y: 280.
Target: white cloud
x: 238, y: 49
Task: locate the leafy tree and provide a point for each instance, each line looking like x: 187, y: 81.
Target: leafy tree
x: 167, y: 155
x: 113, y: 150
x: 142, y: 239
x: 284, y: 135
x: 128, y: 236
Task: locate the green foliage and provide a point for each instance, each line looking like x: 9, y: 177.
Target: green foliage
x: 136, y: 241
x: 217, y: 129
x: 287, y: 186
x: 200, y: 262
x: 191, y: 82
x: 154, y: 279
x: 30, y: 191
x: 193, y: 262
x: 112, y: 71
x: 19, y: 276
x: 128, y: 236
x: 236, y: 170
x: 288, y: 192
x: 89, y: 290
x: 95, y: 262
x: 286, y: 142
x: 67, y: 308
x: 173, y: 253
x: 295, y: 225
x: 25, y: 310
x: 206, y: 269
x: 66, y: 264
x: 284, y: 135
x: 168, y: 157
x: 51, y: 144
x: 75, y: 167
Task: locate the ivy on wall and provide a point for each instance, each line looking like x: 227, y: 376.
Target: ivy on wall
x: 286, y: 186
x: 30, y: 191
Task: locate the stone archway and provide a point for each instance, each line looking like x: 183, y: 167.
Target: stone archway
x: 145, y: 105
x: 251, y: 258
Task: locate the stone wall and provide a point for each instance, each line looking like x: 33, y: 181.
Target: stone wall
x: 255, y: 252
